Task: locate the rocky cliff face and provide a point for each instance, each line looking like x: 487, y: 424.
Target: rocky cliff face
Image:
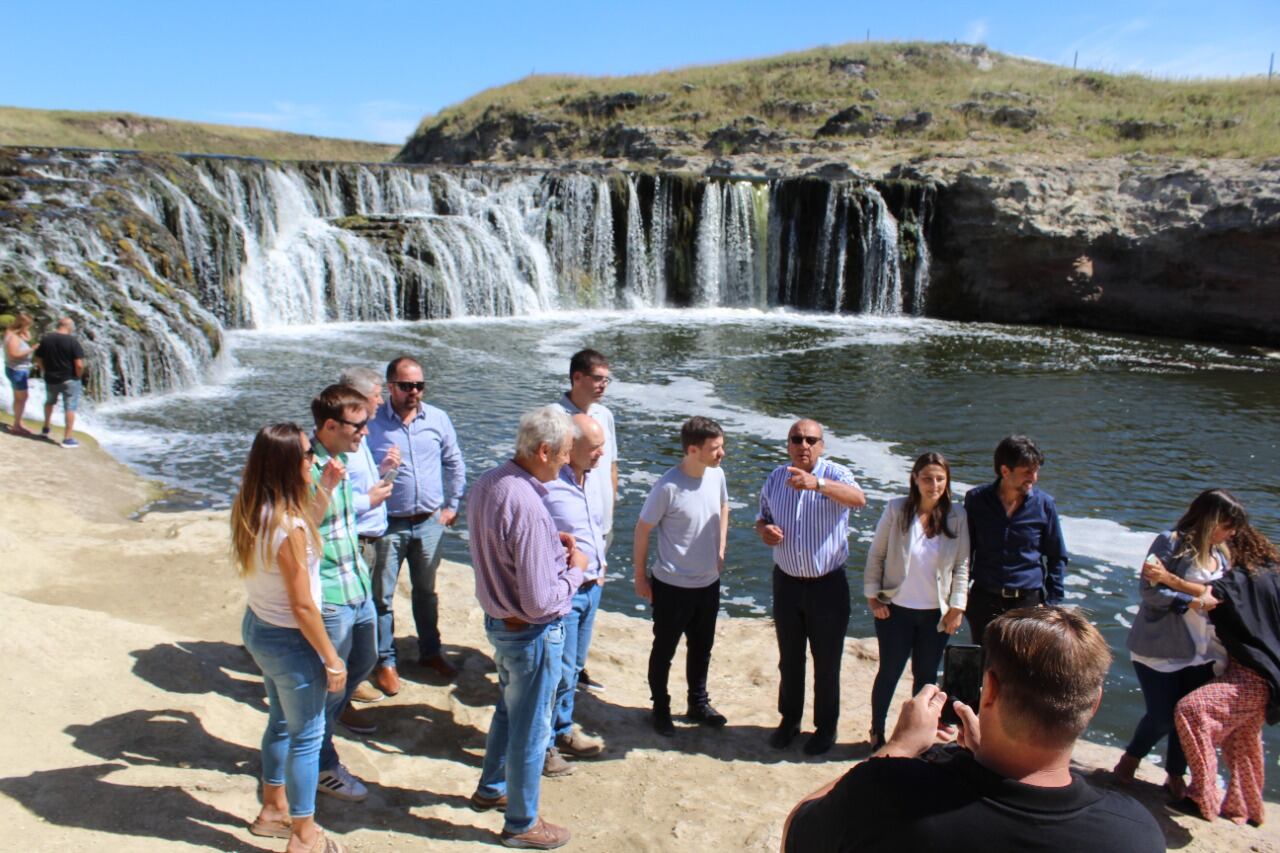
x: 1136, y: 244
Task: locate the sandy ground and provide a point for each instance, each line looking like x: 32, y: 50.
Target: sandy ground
x: 134, y: 714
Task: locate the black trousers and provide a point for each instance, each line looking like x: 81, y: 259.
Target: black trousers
x: 813, y: 612
x: 692, y: 613
x: 985, y: 605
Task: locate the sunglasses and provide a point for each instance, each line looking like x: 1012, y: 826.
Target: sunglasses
x: 355, y: 425
x: 309, y: 453
x: 406, y: 387
x: 810, y: 440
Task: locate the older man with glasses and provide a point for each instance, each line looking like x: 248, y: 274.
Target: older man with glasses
x: 423, y: 504
x: 804, y: 517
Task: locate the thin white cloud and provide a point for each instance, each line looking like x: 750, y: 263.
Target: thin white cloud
x: 386, y: 121
x: 976, y: 31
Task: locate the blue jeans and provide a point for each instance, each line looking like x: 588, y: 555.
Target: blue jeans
x: 906, y: 634
x: 528, y: 662
x: 351, y: 629
x: 1161, y: 692
x: 420, y: 545
x: 578, y: 626
x: 294, y: 677
x: 17, y: 377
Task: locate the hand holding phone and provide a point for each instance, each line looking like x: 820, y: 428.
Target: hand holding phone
x: 391, y: 475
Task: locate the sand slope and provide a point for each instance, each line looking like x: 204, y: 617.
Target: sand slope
x: 134, y: 715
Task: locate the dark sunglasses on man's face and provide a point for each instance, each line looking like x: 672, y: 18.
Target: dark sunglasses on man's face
x: 810, y: 440
x: 406, y: 387
x: 355, y: 425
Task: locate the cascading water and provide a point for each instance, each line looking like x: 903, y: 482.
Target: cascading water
x: 156, y: 255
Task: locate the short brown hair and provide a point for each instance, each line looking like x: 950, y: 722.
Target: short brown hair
x: 699, y: 430
x: 332, y: 403
x: 1050, y: 664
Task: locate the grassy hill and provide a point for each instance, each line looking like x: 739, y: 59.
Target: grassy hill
x: 65, y: 128
x: 977, y: 101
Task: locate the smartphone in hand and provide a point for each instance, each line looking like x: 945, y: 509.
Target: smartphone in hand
x: 961, y: 678
x: 391, y: 475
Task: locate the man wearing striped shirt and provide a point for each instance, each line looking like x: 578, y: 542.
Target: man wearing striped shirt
x: 804, y: 517
x: 347, y: 607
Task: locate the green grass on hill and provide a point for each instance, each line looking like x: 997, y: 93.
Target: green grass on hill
x: 68, y: 129
x: 1087, y: 113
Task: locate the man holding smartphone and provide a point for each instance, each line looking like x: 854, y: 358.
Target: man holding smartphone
x: 1019, y: 555
x: 1009, y: 784
x: 423, y: 504
x: 804, y: 518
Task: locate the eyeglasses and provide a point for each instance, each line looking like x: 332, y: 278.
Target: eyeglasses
x: 355, y: 425
x: 406, y: 387
x: 309, y: 453
x: 810, y: 440
x: 597, y: 379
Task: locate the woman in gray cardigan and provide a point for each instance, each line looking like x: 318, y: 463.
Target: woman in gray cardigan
x: 918, y: 566
x: 1172, y: 644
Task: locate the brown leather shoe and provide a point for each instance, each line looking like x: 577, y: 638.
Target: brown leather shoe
x: 366, y: 692
x: 440, y: 666
x: 554, y: 764
x: 579, y: 744
x: 481, y: 803
x: 540, y: 836
x: 386, y: 679
x: 356, y: 721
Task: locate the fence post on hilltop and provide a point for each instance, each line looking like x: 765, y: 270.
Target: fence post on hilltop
x: 1074, y: 60
x: 1271, y: 69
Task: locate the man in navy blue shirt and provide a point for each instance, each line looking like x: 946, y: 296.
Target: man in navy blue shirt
x: 1019, y: 556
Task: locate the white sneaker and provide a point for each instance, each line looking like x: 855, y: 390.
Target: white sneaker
x: 341, y: 784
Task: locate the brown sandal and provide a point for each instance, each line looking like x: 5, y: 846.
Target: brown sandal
x: 271, y: 828
x: 325, y: 844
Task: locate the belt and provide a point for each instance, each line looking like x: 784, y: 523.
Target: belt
x: 369, y: 539
x: 514, y: 624
x: 1006, y: 592
x: 586, y: 585
x: 823, y: 577
x: 415, y: 519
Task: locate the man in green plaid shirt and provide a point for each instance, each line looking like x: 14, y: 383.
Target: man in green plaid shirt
x: 347, y: 605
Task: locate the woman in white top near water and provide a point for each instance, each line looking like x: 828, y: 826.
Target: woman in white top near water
x: 916, y: 582
x: 277, y: 550
x: 1172, y: 643
x: 17, y: 367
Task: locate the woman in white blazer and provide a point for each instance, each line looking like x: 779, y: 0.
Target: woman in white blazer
x: 916, y: 582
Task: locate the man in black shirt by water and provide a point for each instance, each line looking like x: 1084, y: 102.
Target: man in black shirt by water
x: 61, y: 360
x: 1009, y: 785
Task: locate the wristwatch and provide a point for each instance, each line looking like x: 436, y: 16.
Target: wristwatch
x: 821, y: 482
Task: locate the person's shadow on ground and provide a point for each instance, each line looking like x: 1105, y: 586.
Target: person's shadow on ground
x: 178, y: 739
x: 196, y: 667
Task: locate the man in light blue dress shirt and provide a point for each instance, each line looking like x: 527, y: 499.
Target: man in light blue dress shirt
x: 577, y: 501
x: 424, y: 502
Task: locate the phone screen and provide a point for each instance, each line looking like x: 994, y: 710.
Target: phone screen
x: 961, y: 678
x: 390, y: 476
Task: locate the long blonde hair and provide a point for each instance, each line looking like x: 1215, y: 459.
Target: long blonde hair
x: 273, y: 491
x: 21, y: 324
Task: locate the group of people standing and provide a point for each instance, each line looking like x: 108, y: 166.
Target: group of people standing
x: 324, y: 522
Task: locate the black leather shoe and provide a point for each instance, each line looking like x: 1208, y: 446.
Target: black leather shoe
x: 783, y: 735
x: 662, y: 722
x: 707, y: 716
x: 819, y: 743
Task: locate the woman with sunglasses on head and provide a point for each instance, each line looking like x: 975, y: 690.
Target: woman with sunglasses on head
x: 916, y: 582
x: 277, y: 550
x: 1172, y: 643
x: 1228, y: 712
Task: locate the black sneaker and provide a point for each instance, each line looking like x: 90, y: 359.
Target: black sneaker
x: 586, y: 682
x: 783, y: 735
x: 662, y: 721
x: 707, y: 716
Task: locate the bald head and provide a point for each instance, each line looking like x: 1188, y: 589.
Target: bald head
x: 588, y: 444
x: 66, y: 325
x: 804, y: 443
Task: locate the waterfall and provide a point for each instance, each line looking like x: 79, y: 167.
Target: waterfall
x: 155, y: 256
x: 882, y: 266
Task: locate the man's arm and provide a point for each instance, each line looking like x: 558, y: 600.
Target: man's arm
x: 455, y: 474
x: 724, y: 536
x: 640, y: 559
x: 846, y: 494
x: 768, y: 531
x: 1054, y: 549
x: 78, y: 365
x: 613, y: 469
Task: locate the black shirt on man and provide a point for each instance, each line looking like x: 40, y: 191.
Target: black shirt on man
x: 952, y: 804
x: 58, y: 353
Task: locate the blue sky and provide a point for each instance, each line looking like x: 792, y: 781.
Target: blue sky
x: 371, y: 70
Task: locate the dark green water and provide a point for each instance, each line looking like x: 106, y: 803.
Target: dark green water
x: 1133, y: 428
